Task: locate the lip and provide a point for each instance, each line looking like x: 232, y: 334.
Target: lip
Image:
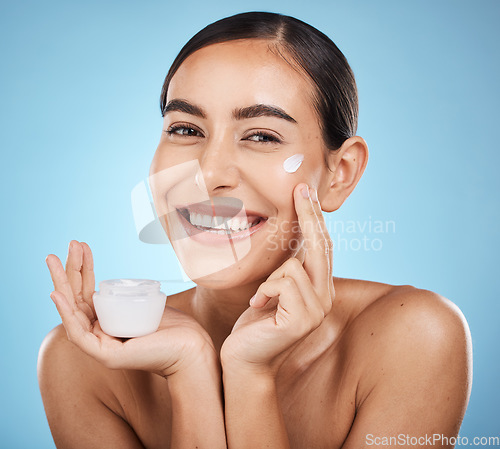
x: 211, y: 238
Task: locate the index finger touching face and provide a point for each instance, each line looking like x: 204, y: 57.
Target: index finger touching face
x: 317, y: 241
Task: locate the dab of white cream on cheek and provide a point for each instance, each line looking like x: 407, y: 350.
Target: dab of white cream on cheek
x: 292, y: 164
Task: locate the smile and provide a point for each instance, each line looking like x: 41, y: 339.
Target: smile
x: 219, y: 224
x: 219, y: 220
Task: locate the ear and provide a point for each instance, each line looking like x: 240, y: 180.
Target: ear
x: 347, y: 164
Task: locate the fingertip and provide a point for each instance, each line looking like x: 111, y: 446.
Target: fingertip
x: 302, y: 190
x: 57, y: 303
x: 60, y: 301
x: 254, y: 303
x: 74, y: 245
x: 56, y: 298
x: 87, y: 256
x: 51, y: 262
x: 86, y: 248
x: 314, y: 194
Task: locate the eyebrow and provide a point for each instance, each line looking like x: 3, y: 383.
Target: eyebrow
x: 256, y: 110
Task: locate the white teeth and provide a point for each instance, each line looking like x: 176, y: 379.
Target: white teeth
x: 195, y: 219
x: 207, y: 221
x: 219, y: 224
x: 234, y: 224
x: 237, y: 224
x: 244, y: 224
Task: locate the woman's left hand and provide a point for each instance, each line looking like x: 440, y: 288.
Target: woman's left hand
x: 266, y: 332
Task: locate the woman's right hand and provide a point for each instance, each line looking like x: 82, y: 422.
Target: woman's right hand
x: 179, y: 343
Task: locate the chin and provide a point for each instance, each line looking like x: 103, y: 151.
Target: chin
x: 246, y: 271
x: 236, y: 275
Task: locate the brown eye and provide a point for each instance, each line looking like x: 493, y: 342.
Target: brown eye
x: 262, y: 137
x: 182, y: 130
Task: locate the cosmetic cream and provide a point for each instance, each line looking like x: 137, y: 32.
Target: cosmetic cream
x: 129, y: 307
x: 292, y: 164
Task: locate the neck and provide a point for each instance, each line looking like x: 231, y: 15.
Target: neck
x: 218, y: 310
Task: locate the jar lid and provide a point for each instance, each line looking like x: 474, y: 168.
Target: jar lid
x: 129, y: 287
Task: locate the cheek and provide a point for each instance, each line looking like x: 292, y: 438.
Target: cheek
x: 155, y: 163
x: 276, y: 187
x: 166, y: 157
x: 279, y: 177
x: 160, y: 160
x: 276, y: 184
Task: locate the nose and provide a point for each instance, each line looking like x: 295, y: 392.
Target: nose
x: 219, y: 167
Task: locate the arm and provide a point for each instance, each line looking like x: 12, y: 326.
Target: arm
x: 67, y: 379
x: 180, y: 351
x: 253, y: 416
x: 418, y: 372
x: 287, y: 307
x: 197, y: 411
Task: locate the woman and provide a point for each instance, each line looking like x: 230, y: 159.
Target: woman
x: 269, y: 350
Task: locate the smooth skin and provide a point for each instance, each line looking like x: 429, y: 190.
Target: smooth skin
x: 315, y: 361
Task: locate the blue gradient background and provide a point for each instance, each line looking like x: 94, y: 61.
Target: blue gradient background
x: 80, y: 83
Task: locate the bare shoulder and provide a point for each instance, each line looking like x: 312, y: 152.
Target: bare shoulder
x: 60, y: 357
x: 385, y: 311
x: 57, y: 355
x: 413, y: 353
x: 64, y: 370
x: 78, y: 396
x: 407, y: 314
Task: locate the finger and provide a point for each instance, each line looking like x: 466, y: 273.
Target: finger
x: 60, y: 279
x: 291, y: 310
x: 285, y: 289
x: 88, y: 277
x: 74, y: 264
x: 318, y: 245
x: 78, y: 327
x: 312, y: 298
x: 89, y: 338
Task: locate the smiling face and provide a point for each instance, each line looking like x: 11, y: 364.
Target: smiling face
x: 235, y: 112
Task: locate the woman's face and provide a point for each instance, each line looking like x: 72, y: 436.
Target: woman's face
x: 219, y: 152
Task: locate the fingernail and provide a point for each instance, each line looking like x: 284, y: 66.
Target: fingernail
x: 51, y: 297
x: 252, y: 299
x: 314, y: 195
x: 305, y: 192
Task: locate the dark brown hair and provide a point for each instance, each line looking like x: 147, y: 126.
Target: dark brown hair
x: 335, y: 97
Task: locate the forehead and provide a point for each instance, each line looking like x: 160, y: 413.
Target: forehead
x: 240, y: 73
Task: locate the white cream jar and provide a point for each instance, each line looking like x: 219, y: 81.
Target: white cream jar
x: 129, y: 307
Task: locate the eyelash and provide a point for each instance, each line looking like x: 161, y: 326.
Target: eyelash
x: 174, y: 128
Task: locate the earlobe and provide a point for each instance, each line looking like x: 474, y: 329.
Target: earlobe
x: 347, y: 166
